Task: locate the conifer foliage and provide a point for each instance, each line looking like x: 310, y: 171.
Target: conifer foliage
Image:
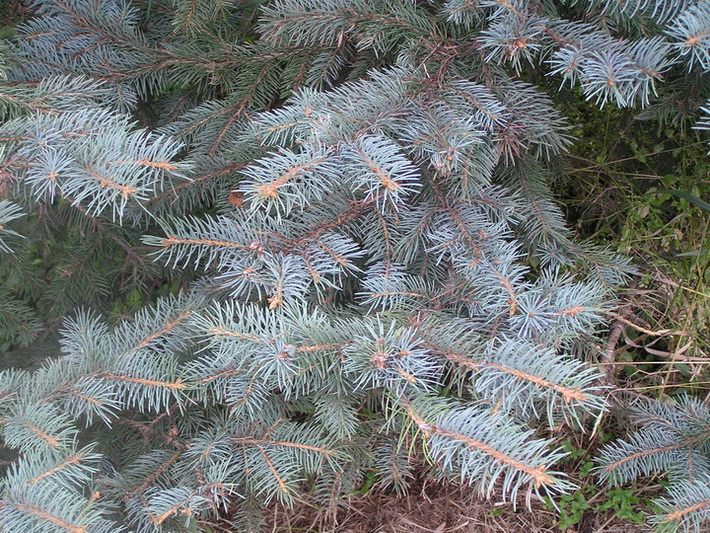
x: 354, y: 196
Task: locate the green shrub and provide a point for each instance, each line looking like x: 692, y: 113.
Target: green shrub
x: 341, y: 214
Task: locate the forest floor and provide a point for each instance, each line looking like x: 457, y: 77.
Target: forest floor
x: 437, y: 508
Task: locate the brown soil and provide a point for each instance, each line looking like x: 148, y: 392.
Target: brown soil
x: 435, y: 508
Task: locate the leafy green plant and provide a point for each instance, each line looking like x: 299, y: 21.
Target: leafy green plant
x: 572, y: 508
x: 591, y: 498
x: 624, y: 504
